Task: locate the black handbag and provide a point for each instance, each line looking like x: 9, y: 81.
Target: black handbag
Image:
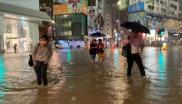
x: 30, y: 62
x: 126, y: 50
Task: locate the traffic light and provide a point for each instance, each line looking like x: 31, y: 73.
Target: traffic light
x: 160, y: 32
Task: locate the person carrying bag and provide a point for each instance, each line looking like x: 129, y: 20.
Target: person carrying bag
x: 41, y: 55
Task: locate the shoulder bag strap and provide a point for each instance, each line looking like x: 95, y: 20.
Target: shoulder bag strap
x: 37, y: 48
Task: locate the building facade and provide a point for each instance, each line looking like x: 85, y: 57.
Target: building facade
x: 115, y: 12
x: 170, y: 8
x: 19, y: 24
x: 70, y: 18
x: 157, y: 14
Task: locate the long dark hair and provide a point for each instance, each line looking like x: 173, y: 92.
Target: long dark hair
x: 129, y: 37
x: 45, y: 37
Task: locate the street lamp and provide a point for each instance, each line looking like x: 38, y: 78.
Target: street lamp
x: 122, y: 4
x: 119, y: 3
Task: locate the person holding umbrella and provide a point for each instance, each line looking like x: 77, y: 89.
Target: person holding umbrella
x: 136, y: 42
x: 93, y: 50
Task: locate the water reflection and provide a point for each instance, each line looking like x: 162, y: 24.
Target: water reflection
x: 162, y: 64
x: 116, y: 57
x: 119, y: 62
x: 69, y: 56
x: 17, y: 80
x: 42, y: 96
x: 117, y: 90
x: 96, y: 84
x: 2, y: 78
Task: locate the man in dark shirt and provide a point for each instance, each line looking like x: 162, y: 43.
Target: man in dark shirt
x: 93, y: 50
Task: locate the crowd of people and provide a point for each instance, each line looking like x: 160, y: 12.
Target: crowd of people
x: 42, y: 53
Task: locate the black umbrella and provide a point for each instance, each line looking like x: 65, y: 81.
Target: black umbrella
x: 144, y: 29
x: 130, y: 25
x: 135, y: 27
x: 97, y: 34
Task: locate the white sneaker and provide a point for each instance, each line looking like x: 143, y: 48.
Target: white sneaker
x: 144, y: 77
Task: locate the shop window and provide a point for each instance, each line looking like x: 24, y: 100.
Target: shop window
x: 172, y: 13
x: 175, y: 7
x: 157, y: 9
x: 150, y: 7
x: 180, y: 8
x: 163, y: 10
x: 161, y: 2
x: 157, y: 1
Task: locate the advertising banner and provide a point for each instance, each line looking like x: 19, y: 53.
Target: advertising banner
x: 136, y: 7
x: 60, y: 9
x: 77, y: 8
x: 92, y: 14
x: 70, y: 8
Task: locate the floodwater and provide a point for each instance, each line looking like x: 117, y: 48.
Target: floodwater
x: 73, y: 80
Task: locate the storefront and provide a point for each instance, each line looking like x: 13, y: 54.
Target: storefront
x: 70, y: 23
x: 19, y: 27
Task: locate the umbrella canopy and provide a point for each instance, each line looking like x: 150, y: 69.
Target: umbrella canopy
x: 97, y: 34
x: 135, y: 27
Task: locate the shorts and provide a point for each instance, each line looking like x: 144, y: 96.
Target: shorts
x: 93, y: 56
x: 100, y: 55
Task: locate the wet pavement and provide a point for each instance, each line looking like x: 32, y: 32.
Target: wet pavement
x: 73, y: 80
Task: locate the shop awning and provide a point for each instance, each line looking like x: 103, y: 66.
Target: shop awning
x: 16, y: 10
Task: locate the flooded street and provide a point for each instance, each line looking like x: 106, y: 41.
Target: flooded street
x: 73, y: 80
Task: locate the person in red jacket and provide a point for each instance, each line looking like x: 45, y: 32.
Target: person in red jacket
x: 100, y: 51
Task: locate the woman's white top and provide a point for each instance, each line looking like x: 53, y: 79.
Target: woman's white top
x: 134, y: 50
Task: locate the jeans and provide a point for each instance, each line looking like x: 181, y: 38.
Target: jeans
x: 41, y: 72
x: 135, y: 57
